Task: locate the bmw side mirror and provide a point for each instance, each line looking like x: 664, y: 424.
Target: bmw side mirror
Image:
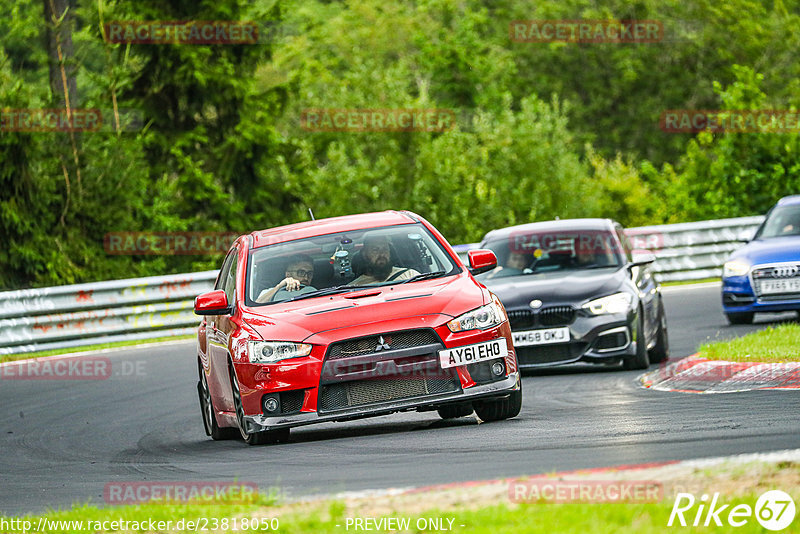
x: 212, y: 303
x: 481, y: 260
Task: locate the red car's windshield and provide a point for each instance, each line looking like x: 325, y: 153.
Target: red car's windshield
x: 344, y: 261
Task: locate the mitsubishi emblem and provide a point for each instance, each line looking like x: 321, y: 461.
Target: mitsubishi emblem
x: 382, y: 345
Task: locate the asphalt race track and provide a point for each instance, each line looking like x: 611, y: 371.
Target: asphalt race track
x: 63, y: 441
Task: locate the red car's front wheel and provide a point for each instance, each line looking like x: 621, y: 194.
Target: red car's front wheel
x: 207, y: 409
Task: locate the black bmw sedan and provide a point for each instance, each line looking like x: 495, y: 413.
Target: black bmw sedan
x: 574, y: 291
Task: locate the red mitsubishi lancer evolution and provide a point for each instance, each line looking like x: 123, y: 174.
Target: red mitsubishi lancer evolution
x: 350, y: 317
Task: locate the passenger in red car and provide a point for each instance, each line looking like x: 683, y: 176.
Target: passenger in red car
x: 298, y: 277
x: 378, y: 266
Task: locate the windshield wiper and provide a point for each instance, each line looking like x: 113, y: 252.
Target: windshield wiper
x: 424, y: 276
x: 328, y: 291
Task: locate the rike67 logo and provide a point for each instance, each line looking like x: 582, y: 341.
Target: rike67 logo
x: 774, y: 510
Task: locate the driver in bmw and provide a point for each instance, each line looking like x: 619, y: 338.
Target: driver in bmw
x: 378, y: 266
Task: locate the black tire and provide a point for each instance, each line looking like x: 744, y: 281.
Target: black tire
x: 640, y: 360
x: 660, y: 352
x: 454, y: 411
x: 740, y: 317
x: 207, y: 410
x: 499, y: 409
x: 264, y: 437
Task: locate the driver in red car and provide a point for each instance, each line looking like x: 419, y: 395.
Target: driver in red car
x: 298, y: 277
x: 378, y: 266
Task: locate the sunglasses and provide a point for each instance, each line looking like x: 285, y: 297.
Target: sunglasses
x: 301, y: 273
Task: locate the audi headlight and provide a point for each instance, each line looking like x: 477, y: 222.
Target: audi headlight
x: 735, y: 268
x: 275, y: 351
x: 481, y: 318
x: 616, y: 303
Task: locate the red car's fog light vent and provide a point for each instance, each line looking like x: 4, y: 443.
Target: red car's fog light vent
x: 371, y: 344
x: 292, y: 401
x: 283, y: 403
x: 483, y: 372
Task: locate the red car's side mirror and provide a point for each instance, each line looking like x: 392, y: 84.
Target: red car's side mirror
x: 481, y: 260
x: 212, y: 303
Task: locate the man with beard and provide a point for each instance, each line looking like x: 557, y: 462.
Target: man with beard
x: 378, y: 266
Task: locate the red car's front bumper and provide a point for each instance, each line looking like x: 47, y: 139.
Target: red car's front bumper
x: 344, y: 377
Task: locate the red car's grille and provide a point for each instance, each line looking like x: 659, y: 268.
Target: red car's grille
x: 376, y: 391
x: 383, y: 368
x: 393, y: 340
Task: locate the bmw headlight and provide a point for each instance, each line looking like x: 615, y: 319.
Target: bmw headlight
x: 275, y: 351
x: 735, y: 268
x: 616, y: 303
x: 481, y: 318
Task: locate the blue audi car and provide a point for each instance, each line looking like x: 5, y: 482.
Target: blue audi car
x: 764, y: 275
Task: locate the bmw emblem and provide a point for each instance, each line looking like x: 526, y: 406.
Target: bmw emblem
x: 536, y: 304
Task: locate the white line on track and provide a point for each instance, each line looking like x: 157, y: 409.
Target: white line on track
x: 101, y: 351
x: 687, y: 287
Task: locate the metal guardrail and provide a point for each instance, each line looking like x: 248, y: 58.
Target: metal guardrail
x: 693, y: 251
x: 119, y: 310
x: 160, y: 306
x: 684, y: 251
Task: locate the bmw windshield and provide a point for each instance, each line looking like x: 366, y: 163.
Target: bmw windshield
x: 343, y: 262
x: 530, y: 253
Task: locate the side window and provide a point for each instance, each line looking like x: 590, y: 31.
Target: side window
x: 225, y: 270
x: 626, y: 245
x: 230, y: 278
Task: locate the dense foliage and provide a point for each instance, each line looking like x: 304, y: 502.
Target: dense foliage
x: 542, y: 129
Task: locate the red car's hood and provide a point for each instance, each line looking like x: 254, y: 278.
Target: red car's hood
x: 296, y: 321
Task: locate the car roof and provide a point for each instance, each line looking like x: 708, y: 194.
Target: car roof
x: 791, y: 200
x: 345, y: 223
x: 560, y: 224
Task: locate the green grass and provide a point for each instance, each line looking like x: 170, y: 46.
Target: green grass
x: 689, y: 282
x: 774, y: 344
x: 84, y: 348
x: 330, y: 517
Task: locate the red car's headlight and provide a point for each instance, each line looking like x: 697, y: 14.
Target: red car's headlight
x: 275, y: 351
x: 487, y: 316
